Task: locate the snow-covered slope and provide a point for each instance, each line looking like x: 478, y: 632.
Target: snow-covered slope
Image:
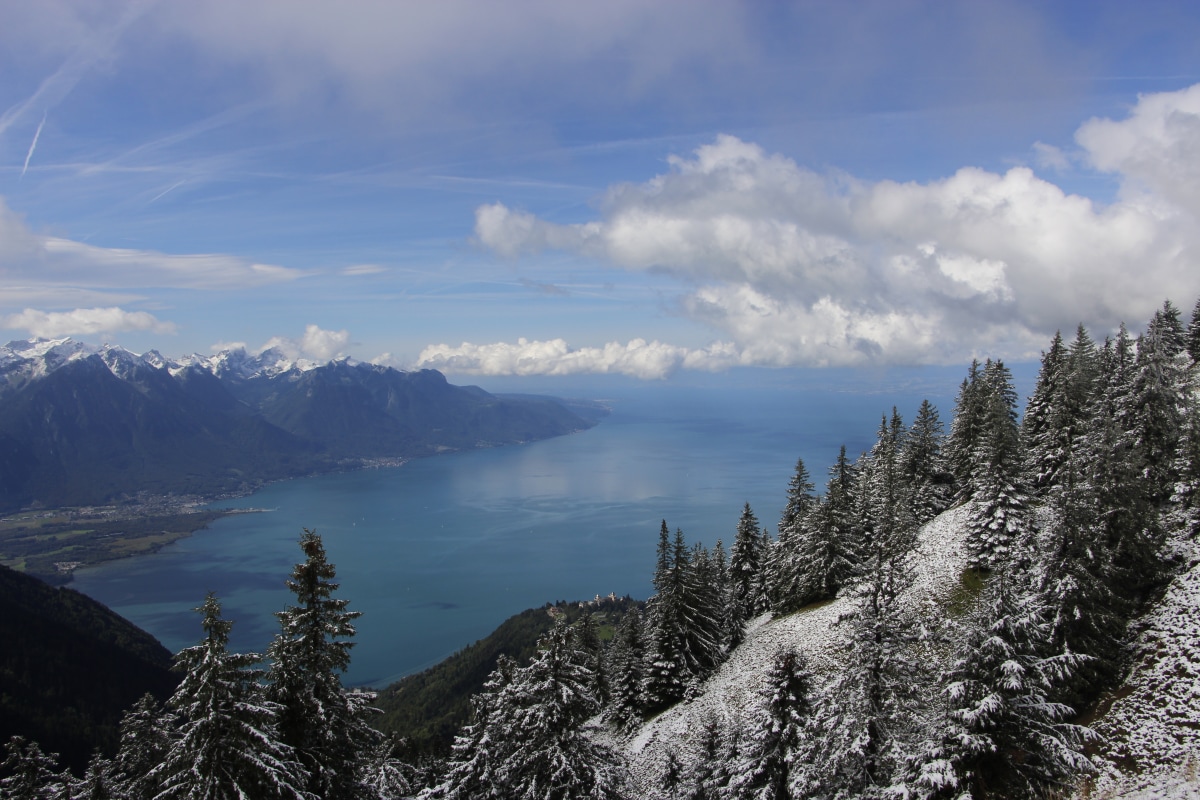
x: 734, y: 695
x: 1152, y: 730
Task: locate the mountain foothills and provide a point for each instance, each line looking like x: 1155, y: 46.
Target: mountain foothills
x: 81, y: 426
x: 1005, y: 610
x: 70, y: 668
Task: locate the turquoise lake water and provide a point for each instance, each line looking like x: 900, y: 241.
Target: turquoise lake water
x: 439, y: 551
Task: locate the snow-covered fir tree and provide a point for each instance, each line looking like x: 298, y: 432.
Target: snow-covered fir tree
x: 965, y: 430
x: 926, y: 472
x: 31, y: 774
x: 1127, y: 515
x: 1000, y: 504
x: 145, y: 739
x: 665, y: 680
x: 687, y: 631
x: 479, y: 749
x: 788, y: 584
x: 97, y: 782
x: 526, y: 740
x: 747, y: 559
x: 625, y: 659
x: 323, y: 722
x: 384, y: 776
x: 774, y: 761
x: 1074, y: 575
x: 1003, y: 735
x: 865, y: 714
x: 1158, y: 399
x: 227, y: 744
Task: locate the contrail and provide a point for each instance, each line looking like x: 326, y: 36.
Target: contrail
x: 32, y: 145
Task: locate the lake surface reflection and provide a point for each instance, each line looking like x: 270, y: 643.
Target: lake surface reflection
x: 439, y: 551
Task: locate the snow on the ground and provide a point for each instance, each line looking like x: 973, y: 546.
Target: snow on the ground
x: 734, y: 695
x: 1153, y: 728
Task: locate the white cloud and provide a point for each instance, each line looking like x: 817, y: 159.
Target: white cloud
x: 363, y: 269
x: 316, y: 343
x: 1156, y: 149
x: 1048, y: 156
x: 28, y: 258
x: 84, y: 322
x: 638, y: 358
x: 798, y: 267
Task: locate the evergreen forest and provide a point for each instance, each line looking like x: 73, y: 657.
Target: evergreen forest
x: 1076, y: 512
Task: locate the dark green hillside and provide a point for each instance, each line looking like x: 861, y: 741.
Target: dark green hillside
x: 70, y: 668
x: 429, y: 707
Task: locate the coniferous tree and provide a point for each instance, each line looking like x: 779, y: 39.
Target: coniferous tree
x: 1185, y: 501
x: 1193, y: 335
x: 865, y: 715
x: 774, y: 763
x: 799, y: 498
x: 384, y: 776
x: 1005, y: 737
x: 227, y: 744
x: 321, y: 720
x: 32, y: 774
x: 665, y: 676
x: 626, y: 658
x: 722, y: 594
x: 145, y: 740
x: 97, y: 782
x: 1125, y: 515
x: 1000, y: 512
x: 480, y: 748
x: 1045, y: 427
x: 1074, y: 580
x: 786, y: 573
x: 925, y: 470
x: 746, y: 562
x: 1158, y: 400
x: 702, y: 634
x: 588, y: 637
x: 712, y: 774
x: 965, y: 431
x: 542, y: 711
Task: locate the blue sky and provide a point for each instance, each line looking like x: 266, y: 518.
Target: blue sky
x: 545, y: 188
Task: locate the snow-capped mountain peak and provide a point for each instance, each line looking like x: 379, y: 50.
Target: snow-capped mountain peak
x: 24, y: 360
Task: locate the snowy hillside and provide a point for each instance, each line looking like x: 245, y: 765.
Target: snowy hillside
x: 733, y: 696
x: 1152, y: 730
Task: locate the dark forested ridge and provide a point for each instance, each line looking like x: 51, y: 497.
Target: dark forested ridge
x: 429, y: 707
x: 69, y: 668
x: 88, y: 431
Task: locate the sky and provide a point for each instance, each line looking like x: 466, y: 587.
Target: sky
x: 649, y: 189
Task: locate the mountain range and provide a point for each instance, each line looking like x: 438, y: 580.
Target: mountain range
x: 82, y: 425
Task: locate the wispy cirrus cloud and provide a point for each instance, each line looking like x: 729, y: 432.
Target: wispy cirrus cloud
x: 30, y: 258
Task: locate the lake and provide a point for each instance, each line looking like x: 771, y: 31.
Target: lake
x: 437, y: 552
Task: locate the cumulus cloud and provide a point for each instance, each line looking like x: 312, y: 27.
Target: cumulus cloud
x: 316, y: 343
x: 1156, y: 150
x: 798, y: 267
x: 84, y: 322
x: 638, y: 358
